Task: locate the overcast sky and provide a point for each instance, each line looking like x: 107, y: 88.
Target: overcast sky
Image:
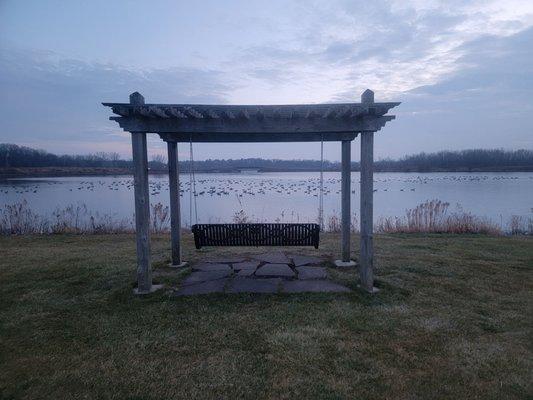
x: 463, y: 70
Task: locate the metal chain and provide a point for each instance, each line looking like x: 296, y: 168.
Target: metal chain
x: 321, y: 194
x: 192, y: 185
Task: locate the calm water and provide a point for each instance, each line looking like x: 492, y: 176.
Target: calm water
x: 288, y: 197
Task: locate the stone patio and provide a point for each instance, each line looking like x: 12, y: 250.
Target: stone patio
x: 273, y: 272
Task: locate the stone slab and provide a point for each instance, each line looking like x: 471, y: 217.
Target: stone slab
x: 317, y: 286
x: 246, y: 265
x: 305, y: 273
x: 202, y: 276
x: 298, y: 260
x: 216, y: 286
x: 275, y: 257
x: 246, y: 272
x: 250, y: 285
x: 227, y: 260
x: 212, y: 267
x: 275, y: 270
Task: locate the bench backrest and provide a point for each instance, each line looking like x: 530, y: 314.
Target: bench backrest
x: 256, y: 235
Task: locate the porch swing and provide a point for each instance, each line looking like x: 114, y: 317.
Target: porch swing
x: 255, y: 234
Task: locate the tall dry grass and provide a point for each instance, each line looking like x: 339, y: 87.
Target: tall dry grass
x: 20, y: 219
x: 433, y: 216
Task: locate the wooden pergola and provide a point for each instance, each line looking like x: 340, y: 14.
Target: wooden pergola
x: 200, y: 123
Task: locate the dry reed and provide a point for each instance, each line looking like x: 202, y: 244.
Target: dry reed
x: 432, y: 216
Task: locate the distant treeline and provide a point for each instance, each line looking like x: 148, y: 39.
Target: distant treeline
x: 464, y: 160
x: 14, y: 156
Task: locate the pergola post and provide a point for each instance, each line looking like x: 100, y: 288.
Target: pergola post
x: 175, y: 211
x: 142, y: 207
x: 345, y: 205
x: 367, y: 204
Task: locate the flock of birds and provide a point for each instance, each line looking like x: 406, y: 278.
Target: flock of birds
x: 222, y: 186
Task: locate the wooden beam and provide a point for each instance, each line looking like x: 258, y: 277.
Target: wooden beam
x: 142, y: 205
x: 367, y: 204
x: 175, y: 212
x: 144, y: 111
x: 191, y: 112
x: 201, y: 137
x: 228, y: 114
x: 345, y: 190
x: 121, y: 110
x: 159, y: 112
x: 176, y: 113
x: 246, y: 125
x: 346, y: 179
x: 212, y: 114
x: 329, y: 113
x: 333, y: 110
x: 311, y: 114
x: 142, y: 212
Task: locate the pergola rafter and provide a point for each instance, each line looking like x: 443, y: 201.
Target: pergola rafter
x: 252, y: 123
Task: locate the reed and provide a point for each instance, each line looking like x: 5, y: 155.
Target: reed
x: 19, y: 219
x: 159, y: 218
x: 432, y: 216
x: 240, y: 217
x: 519, y: 225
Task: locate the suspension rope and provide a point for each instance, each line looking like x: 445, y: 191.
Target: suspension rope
x: 321, y: 193
x: 192, y: 185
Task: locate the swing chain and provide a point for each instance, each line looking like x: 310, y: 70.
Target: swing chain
x: 192, y: 185
x: 321, y: 193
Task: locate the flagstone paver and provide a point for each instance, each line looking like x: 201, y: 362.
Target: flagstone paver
x: 202, y: 276
x: 251, y: 285
x: 305, y: 273
x: 227, y: 260
x: 246, y: 272
x: 313, y: 286
x: 212, y: 267
x: 275, y: 270
x: 246, y: 265
x: 265, y: 273
x: 305, y: 260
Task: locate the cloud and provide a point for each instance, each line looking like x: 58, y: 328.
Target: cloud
x: 48, y: 100
x: 486, y: 104
x: 392, y: 47
x: 462, y: 70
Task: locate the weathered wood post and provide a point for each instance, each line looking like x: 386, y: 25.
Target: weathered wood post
x: 175, y: 211
x: 142, y: 206
x: 367, y: 207
x: 345, y: 205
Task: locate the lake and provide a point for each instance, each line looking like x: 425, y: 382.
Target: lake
x: 284, y: 197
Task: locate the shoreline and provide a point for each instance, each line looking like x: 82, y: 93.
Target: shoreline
x: 57, y: 172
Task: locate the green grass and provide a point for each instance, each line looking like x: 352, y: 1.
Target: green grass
x: 453, y: 320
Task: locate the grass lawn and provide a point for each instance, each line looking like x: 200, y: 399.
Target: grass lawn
x: 453, y: 320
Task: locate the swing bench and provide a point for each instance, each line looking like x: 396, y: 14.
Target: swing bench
x: 256, y: 234
x: 275, y: 234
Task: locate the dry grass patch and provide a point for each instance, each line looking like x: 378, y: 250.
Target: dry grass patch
x: 452, y: 320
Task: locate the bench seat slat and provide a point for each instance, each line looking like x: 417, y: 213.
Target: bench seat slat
x: 279, y: 234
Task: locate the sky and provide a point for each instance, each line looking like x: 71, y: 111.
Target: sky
x: 463, y: 70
